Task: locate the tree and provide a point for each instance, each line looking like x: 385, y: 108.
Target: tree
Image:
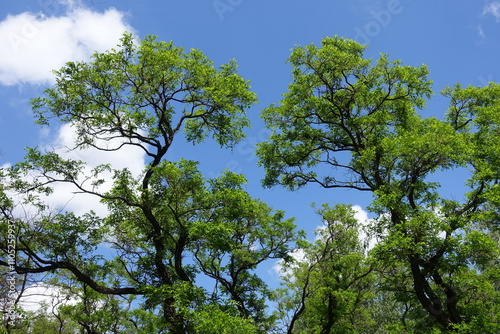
x: 347, y: 123
x: 173, y: 232
x: 329, y: 290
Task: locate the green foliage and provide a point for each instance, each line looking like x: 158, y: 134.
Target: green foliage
x: 226, y: 232
x: 214, y: 320
x: 186, y: 246
x: 179, y: 253
x: 329, y: 289
x: 347, y: 123
x: 146, y: 93
x: 339, y: 103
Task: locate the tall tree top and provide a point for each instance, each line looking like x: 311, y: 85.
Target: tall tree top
x: 145, y: 92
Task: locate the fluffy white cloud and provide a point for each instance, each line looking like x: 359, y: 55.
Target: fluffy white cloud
x: 65, y: 195
x: 493, y: 8
x: 298, y: 255
x: 362, y: 217
x: 131, y: 157
x: 34, y: 44
x: 39, y: 294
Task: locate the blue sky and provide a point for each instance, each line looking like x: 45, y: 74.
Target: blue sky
x: 458, y: 40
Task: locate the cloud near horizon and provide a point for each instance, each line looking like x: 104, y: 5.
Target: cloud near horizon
x: 33, y: 44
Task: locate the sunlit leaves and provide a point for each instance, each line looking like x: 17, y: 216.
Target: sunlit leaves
x: 348, y: 122
x: 144, y: 93
x: 328, y: 290
x: 338, y: 103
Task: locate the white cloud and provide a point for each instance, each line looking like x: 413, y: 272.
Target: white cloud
x: 65, y: 196
x: 362, y: 217
x: 131, y: 157
x: 39, y: 294
x: 493, y: 8
x: 298, y: 255
x: 35, y: 44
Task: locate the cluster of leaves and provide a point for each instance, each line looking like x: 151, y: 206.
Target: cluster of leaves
x: 178, y: 253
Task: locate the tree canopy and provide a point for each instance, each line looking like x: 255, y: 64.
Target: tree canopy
x: 178, y: 252
x: 347, y: 123
x: 170, y: 226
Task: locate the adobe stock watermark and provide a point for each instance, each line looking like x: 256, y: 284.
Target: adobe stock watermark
x: 11, y: 315
x: 31, y: 28
x: 245, y: 148
x: 381, y: 19
x: 223, y: 6
x: 486, y: 81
